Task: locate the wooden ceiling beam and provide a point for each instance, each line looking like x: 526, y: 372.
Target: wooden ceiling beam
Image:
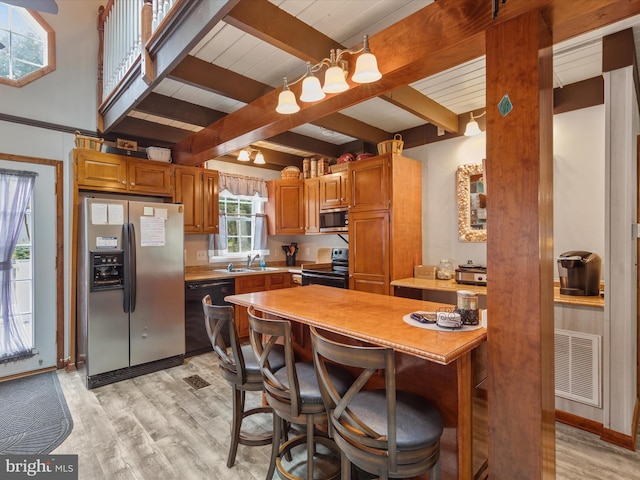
x: 267, y: 22
x: 457, y: 28
x: 423, y: 107
x: 146, y: 133
x: 213, y: 78
x: 304, y: 143
x: 178, y: 110
x: 222, y: 81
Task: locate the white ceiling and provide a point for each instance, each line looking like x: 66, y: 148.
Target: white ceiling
x: 460, y: 89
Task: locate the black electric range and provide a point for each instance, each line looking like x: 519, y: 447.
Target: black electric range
x: 335, y: 275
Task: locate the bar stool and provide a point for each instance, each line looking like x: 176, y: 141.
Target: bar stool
x: 389, y: 433
x: 239, y: 367
x: 292, y: 392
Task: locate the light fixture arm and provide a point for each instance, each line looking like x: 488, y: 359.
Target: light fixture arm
x: 473, y: 117
x: 335, y: 59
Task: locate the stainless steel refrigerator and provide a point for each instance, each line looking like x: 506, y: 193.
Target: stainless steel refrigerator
x: 130, y: 294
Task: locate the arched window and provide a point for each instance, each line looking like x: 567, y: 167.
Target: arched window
x: 27, y: 46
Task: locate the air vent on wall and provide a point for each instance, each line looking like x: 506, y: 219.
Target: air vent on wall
x: 578, y: 366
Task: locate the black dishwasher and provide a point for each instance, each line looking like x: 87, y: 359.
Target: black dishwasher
x: 197, y: 340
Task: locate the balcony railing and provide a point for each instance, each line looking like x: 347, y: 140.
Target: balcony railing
x: 125, y: 27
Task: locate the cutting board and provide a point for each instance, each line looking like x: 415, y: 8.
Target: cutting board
x: 324, y: 255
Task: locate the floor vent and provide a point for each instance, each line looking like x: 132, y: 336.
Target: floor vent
x: 578, y: 366
x: 196, y: 381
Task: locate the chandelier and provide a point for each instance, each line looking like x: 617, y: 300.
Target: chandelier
x: 366, y: 71
x: 245, y: 156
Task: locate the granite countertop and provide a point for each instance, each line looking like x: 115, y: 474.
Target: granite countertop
x: 452, y: 286
x: 211, y: 272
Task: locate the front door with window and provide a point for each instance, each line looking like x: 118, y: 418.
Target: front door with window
x: 34, y: 271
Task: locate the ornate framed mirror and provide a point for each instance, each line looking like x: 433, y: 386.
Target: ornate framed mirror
x: 472, y: 203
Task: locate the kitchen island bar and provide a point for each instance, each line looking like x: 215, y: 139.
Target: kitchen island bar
x: 439, y: 365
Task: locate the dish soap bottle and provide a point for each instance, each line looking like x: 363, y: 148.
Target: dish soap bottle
x: 444, y: 270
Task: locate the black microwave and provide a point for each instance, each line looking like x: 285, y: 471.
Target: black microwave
x: 334, y: 220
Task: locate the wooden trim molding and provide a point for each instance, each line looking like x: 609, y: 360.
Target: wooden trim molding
x: 61, y: 361
x: 579, y: 422
x: 606, y: 435
x: 621, y: 439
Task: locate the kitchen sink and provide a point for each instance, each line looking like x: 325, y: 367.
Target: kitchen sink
x: 235, y: 270
x: 247, y: 270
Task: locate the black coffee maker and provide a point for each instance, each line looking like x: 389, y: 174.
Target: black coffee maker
x: 579, y: 273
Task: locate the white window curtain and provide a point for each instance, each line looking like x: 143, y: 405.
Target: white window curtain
x: 248, y: 186
x: 15, y: 191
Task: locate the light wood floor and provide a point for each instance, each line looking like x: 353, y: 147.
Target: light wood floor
x: 157, y: 426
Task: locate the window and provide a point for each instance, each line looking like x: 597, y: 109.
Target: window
x: 27, y: 46
x: 243, y: 220
x: 23, y: 274
x: 239, y: 212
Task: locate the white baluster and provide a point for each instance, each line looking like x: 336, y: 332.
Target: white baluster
x: 154, y: 11
x: 138, y: 27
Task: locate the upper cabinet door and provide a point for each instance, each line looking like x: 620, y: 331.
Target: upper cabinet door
x: 189, y: 193
x: 370, y: 184
x: 311, y: 199
x: 150, y: 177
x: 210, y: 217
x: 95, y: 169
x: 333, y: 191
x: 285, y: 208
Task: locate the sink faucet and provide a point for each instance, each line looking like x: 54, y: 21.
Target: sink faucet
x: 250, y: 260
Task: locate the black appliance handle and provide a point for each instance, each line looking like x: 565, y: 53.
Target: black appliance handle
x: 127, y: 282
x: 132, y: 264
x: 195, y: 286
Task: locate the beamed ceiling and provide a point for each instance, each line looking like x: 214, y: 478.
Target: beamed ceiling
x: 218, y: 92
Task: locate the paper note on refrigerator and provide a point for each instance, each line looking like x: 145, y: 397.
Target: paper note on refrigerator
x: 99, y: 214
x: 116, y: 214
x: 152, y: 232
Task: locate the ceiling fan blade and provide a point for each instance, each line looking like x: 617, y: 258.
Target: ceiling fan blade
x: 47, y: 6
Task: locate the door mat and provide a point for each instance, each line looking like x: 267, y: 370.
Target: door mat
x: 196, y: 381
x: 34, y: 417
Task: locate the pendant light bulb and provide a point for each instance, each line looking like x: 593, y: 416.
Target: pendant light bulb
x: 287, y: 101
x: 259, y: 160
x: 243, y: 156
x: 366, y: 65
x: 334, y: 77
x: 311, y: 89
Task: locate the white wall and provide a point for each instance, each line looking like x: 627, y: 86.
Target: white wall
x: 66, y: 97
x: 578, y: 189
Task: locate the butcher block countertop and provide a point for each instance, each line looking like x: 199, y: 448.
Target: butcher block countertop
x: 373, y: 318
x: 452, y: 286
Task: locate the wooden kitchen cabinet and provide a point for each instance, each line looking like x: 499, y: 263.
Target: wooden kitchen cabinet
x: 285, y: 208
x: 371, y: 183
x: 385, y: 221
x: 117, y: 173
x: 256, y: 283
x: 334, y: 190
x: 369, y: 251
x: 311, y: 205
x: 197, y: 190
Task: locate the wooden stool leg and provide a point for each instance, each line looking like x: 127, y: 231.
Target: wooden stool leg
x: 310, y: 447
x: 345, y: 467
x: 275, y: 444
x: 236, y: 423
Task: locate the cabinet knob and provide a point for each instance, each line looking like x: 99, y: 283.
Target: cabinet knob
x: 123, y: 182
x: 133, y: 184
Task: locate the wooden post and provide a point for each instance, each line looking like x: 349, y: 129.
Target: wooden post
x: 146, y: 65
x: 519, y: 171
